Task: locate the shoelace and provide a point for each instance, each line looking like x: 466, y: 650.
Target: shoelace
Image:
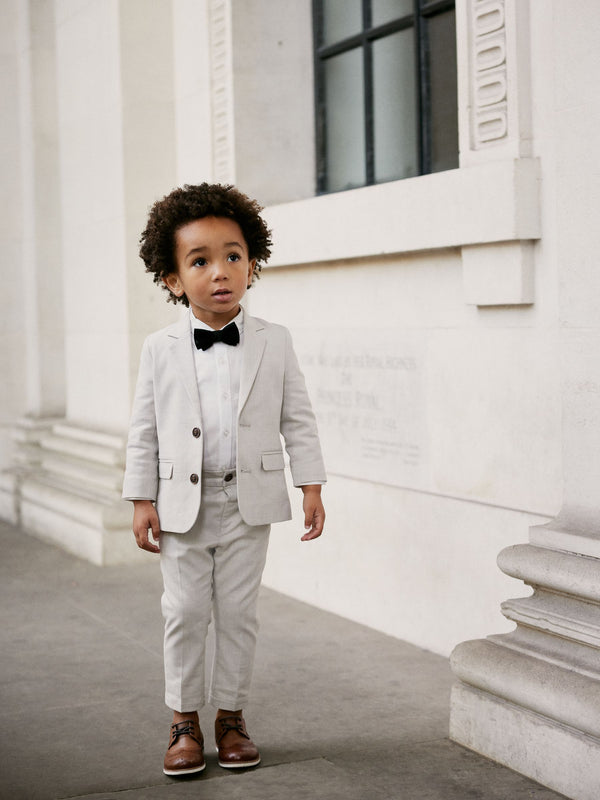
x: 185, y: 728
x: 226, y: 726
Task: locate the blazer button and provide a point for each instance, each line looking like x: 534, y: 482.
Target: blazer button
x: 194, y: 478
x: 196, y: 433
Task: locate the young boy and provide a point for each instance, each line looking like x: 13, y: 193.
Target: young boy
x: 205, y: 465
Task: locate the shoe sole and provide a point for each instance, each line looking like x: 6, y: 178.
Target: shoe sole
x: 239, y: 764
x: 175, y: 772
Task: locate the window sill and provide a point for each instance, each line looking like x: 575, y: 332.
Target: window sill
x: 493, y: 202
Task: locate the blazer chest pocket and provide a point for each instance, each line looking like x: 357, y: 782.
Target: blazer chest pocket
x: 165, y: 470
x: 272, y: 460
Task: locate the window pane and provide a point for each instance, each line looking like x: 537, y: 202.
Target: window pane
x: 442, y: 72
x: 386, y: 10
x: 341, y: 18
x: 394, y: 107
x: 345, y: 129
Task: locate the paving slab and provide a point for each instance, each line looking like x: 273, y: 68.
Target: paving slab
x: 338, y: 710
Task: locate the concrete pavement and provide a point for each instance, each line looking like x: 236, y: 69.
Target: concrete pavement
x: 340, y: 712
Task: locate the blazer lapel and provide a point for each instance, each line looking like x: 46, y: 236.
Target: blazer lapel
x: 183, y: 356
x: 253, y: 348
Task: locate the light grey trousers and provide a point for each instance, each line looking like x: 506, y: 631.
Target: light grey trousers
x: 215, y: 568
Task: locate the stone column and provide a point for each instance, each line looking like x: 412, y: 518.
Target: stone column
x: 116, y: 141
x: 42, y: 369
x: 530, y: 699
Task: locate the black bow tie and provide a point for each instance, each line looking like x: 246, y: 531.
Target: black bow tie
x: 205, y: 339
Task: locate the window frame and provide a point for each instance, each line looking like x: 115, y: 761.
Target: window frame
x: 422, y: 10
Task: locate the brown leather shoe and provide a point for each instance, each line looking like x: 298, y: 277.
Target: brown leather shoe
x: 185, y: 753
x: 235, y: 748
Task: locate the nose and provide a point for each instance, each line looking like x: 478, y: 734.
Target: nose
x: 220, y: 271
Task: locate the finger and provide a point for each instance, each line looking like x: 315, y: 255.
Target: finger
x: 313, y: 533
x: 155, y: 526
x: 143, y: 542
x: 310, y: 513
x: 316, y: 529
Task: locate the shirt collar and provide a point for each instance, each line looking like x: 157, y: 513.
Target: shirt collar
x: 197, y: 323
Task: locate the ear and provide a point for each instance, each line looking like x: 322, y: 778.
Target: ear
x: 251, y: 266
x: 173, y: 283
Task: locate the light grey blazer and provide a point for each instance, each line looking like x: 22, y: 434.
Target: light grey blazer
x: 164, y: 448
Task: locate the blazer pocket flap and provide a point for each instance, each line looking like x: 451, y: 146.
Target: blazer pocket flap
x: 273, y: 460
x: 165, y: 470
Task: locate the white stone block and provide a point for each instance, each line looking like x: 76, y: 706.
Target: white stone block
x: 551, y: 753
x: 87, y: 525
x: 499, y: 274
x: 101, y: 547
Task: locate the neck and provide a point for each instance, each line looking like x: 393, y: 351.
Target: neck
x: 215, y: 321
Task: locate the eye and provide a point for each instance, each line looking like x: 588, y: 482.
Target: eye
x: 234, y: 257
x: 199, y: 262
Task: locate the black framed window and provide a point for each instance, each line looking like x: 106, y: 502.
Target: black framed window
x: 385, y: 73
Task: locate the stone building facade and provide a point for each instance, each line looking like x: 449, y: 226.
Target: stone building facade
x: 447, y: 324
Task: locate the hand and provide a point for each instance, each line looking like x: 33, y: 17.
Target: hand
x: 144, y: 517
x: 314, y: 513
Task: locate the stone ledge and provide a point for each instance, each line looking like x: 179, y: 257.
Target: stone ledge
x: 107, y: 511
x: 558, y: 570
x: 562, y: 695
x: 497, y: 201
x: 558, y: 614
x: 79, y: 448
x: 94, y: 543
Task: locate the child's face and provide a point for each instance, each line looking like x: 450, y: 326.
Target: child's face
x: 213, y: 268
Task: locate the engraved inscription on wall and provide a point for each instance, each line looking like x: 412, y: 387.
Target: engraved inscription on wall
x: 369, y: 400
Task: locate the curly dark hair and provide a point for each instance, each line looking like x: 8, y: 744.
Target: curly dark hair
x: 186, y: 204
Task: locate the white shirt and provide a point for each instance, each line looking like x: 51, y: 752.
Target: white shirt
x: 218, y: 376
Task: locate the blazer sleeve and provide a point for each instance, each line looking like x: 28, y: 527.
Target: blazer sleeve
x: 298, y: 424
x: 141, y: 470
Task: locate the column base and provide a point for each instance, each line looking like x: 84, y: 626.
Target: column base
x: 530, y: 699
x: 96, y: 529
x: 70, y: 494
x: 10, y: 495
x: 27, y: 434
x: 555, y: 755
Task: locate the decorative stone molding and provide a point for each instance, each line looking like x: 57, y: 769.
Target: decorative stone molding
x: 489, y: 82
x: 222, y: 91
x: 494, y: 88
x: 495, y: 95
x: 535, y: 691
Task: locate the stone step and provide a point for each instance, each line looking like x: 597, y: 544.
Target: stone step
x: 101, y: 510
x: 27, y: 430
x: 105, y: 439
x: 78, y: 472
x: 91, y: 451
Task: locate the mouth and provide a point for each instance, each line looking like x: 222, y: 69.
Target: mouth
x: 222, y: 294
